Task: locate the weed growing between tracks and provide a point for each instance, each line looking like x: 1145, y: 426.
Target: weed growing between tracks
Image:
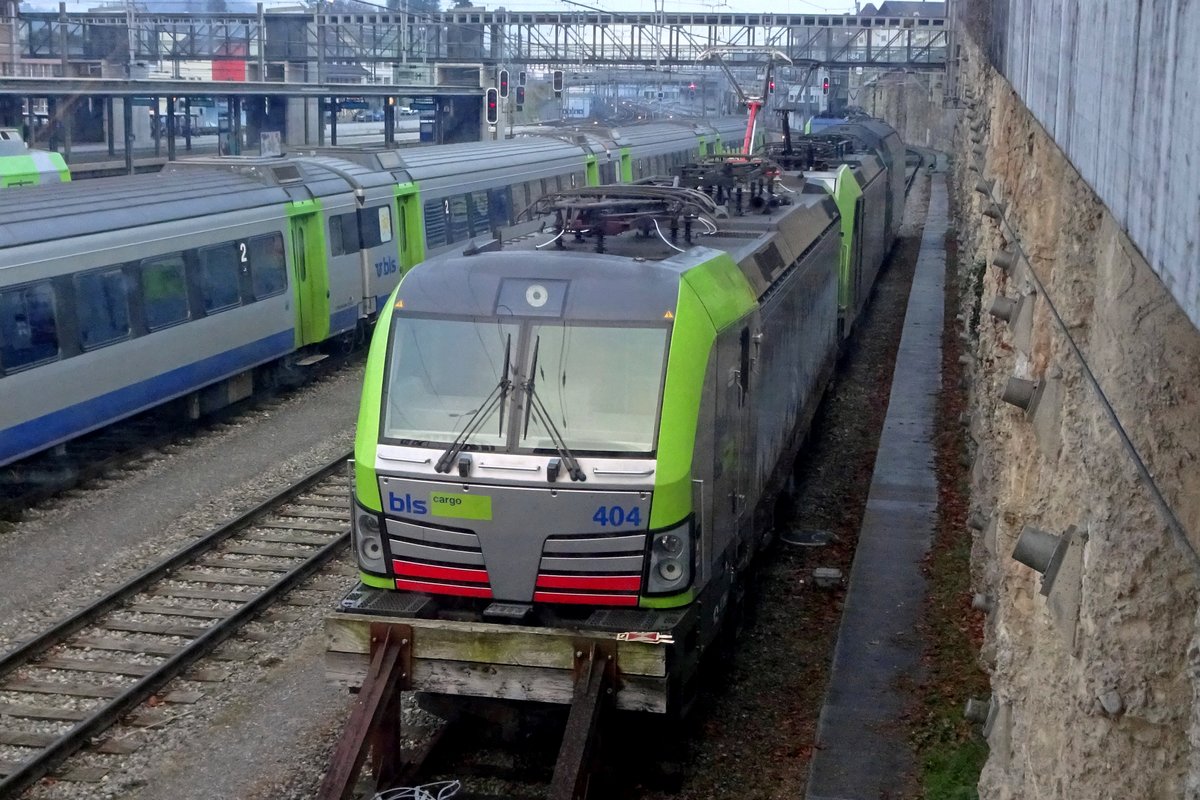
x: 951, y: 749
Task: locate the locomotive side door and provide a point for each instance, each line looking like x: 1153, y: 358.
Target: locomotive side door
x: 306, y: 245
x: 733, y: 447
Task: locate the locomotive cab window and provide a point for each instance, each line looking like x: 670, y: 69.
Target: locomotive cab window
x: 600, y: 386
x: 164, y: 291
x: 103, y: 307
x: 28, y: 326
x: 440, y: 373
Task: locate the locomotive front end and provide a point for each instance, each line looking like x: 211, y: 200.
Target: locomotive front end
x: 510, y: 455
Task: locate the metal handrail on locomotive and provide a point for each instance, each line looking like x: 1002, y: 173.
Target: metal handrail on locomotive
x: 565, y: 432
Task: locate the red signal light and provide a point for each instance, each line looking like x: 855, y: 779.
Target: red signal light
x: 492, y: 102
x: 825, y: 86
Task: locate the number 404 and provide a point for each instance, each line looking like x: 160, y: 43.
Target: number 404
x: 617, y: 516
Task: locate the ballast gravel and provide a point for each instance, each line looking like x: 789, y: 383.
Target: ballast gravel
x: 70, y: 550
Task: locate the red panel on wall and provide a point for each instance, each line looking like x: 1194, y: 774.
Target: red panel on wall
x: 229, y: 70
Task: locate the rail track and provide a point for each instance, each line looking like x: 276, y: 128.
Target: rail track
x: 98, y: 665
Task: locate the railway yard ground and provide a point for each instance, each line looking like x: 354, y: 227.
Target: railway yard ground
x: 266, y: 730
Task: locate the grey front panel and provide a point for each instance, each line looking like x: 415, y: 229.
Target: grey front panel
x: 513, y: 523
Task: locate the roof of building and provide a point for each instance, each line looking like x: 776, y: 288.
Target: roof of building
x: 909, y: 8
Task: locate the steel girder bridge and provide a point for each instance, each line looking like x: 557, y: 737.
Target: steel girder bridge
x: 542, y: 38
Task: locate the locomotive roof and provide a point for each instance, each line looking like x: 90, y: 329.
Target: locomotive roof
x: 635, y: 275
x: 875, y: 134
x: 59, y: 211
x: 602, y: 287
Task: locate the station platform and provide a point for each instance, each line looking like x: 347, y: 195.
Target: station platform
x: 861, y: 751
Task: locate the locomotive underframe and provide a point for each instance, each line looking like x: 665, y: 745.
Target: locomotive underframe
x: 510, y: 662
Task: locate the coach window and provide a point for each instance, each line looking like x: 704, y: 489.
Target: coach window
x: 499, y: 207
x: 28, y: 326
x: 103, y: 307
x: 343, y: 234
x: 477, y: 207
x: 459, y: 225
x: 164, y: 291
x: 219, y: 266
x: 268, y: 268
x: 375, y: 225
x: 435, y: 222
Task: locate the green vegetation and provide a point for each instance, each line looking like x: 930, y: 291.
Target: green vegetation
x: 951, y: 750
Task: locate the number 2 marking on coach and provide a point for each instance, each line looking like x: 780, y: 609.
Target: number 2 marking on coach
x: 242, y: 249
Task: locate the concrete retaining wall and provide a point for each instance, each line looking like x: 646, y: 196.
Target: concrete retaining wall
x: 1114, y: 83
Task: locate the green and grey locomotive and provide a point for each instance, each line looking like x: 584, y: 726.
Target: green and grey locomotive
x: 573, y: 426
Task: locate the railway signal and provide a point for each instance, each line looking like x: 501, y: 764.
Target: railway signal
x: 520, y: 98
x: 492, y: 103
x: 521, y: 76
x: 503, y: 83
x: 557, y: 82
x: 825, y: 86
x: 771, y: 87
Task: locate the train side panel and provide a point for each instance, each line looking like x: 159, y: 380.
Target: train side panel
x: 180, y: 330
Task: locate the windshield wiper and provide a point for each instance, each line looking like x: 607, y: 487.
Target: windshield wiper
x: 497, y: 396
x: 534, y: 405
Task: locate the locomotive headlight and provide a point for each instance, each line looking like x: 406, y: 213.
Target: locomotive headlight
x: 368, y: 543
x: 670, y: 559
x: 670, y: 570
x: 669, y: 543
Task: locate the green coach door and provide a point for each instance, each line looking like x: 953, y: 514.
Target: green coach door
x: 309, y: 278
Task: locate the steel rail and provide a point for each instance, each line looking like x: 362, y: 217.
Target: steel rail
x: 109, y: 712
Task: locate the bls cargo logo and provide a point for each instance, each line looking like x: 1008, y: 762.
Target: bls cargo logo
x: 407, y: 505
x: 442, y: 504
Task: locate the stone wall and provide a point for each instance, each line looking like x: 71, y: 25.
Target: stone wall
x: 1092, y: 684
x: 913, y: 104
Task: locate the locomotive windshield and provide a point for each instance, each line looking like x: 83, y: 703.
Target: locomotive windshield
x: 442, y: 372
x: 599, y: 385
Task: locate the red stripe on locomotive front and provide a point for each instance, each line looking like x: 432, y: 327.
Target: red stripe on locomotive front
x: 415, y: 570
x: 443, y: 588
x: 586, y: 599
x: 591, y: 583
